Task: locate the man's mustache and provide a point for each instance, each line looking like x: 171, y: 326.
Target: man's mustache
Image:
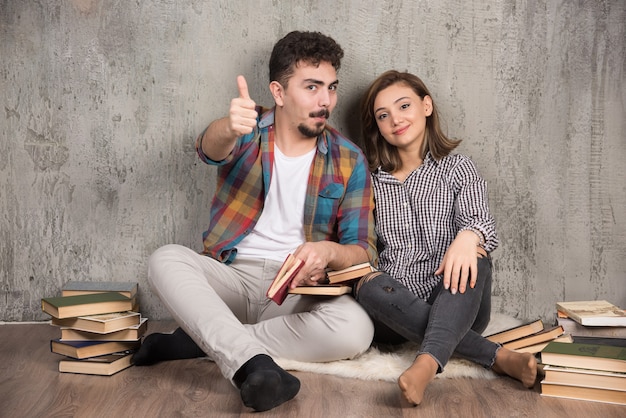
x: 324, y: 113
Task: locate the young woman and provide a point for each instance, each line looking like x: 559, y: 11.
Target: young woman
x: 435, y: 234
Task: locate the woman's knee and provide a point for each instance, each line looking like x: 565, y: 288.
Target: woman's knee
x: 371, y: 282
x: 483, y: 279
x: 485, y: 267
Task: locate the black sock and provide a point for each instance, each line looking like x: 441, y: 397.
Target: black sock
x: 264, y: 384
x: 161, y: 347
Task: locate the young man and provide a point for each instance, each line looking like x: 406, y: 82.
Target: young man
x: 287, y: 183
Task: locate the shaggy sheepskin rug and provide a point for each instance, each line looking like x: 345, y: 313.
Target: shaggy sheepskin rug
x: 375, y: 364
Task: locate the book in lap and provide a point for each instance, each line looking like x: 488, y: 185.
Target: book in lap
x: 76, y: 287
x: 83, y: 305
x: 594, y: 313
x: 350, y: 273
x: 339, y: 281
x: 280, y: 285
x: 106, y: 365
x: 322, y: 290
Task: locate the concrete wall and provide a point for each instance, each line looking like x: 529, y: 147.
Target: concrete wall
x: 102, y: 100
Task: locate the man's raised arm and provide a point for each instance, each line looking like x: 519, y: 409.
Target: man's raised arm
x: 219, y: 138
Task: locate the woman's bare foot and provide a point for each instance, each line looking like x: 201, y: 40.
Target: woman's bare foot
x: 414, y: 380
x: 520, y: 366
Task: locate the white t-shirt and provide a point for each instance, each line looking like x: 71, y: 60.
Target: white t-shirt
x: 280, y: 230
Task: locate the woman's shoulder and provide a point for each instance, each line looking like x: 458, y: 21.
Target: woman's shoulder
x: 456, y: 167
x: 458, y: 160
x: 453, y: 160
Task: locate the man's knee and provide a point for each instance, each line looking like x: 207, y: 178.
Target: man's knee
x: 353, y: 330
x: 161, y: 260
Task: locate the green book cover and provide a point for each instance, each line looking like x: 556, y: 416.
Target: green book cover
x: 63, y: 301
x: 586, y: 350
x: 101, y: 286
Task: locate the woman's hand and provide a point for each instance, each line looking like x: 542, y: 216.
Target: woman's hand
x: 460, y: 262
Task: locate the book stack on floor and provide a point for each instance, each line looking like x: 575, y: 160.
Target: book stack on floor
x: 531, y: 337
x: 593, y: 367
x: 100, y: 326
x: 598, y: 318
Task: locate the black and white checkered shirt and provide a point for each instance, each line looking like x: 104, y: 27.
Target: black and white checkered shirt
x: 417, y: 220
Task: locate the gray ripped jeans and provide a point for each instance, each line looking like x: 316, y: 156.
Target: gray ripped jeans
x: 443, y: 325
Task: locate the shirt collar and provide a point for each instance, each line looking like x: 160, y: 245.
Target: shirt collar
x: 428, y: 160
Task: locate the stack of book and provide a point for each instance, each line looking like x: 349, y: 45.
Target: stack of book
x: 530, y: 337
x: 598, y: 318
x: 593, y: 367
x: 100, y: 326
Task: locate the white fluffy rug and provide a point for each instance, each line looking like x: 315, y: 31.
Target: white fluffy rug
x: 388, y: 366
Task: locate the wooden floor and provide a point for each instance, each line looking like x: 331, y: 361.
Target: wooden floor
x: 31, y: 386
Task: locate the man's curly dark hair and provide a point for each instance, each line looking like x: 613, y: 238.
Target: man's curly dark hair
x: 307, y: 47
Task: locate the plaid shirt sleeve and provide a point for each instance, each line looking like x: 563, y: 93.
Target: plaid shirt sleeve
x: 356, y: 222
x: 343, y: 210
x: 238, y: 198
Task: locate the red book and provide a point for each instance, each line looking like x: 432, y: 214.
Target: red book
x: 280, y: 285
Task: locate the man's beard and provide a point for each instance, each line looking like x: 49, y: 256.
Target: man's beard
x: 319, y: 127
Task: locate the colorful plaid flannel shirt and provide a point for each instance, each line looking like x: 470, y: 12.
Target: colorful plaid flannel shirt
x: 339, y: 199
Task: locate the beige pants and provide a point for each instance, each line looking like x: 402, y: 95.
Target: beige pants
x: 224, y: 310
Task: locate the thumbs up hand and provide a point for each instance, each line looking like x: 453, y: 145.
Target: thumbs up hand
x: 242, y: 114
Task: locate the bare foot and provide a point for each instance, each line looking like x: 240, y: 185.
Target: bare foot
x: 520, y: 366
x: 414, y: 380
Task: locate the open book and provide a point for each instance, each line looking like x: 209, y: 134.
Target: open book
x: 339, y: 281
x: 280, y: 285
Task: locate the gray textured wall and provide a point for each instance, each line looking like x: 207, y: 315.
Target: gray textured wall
x: 101, y: 102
